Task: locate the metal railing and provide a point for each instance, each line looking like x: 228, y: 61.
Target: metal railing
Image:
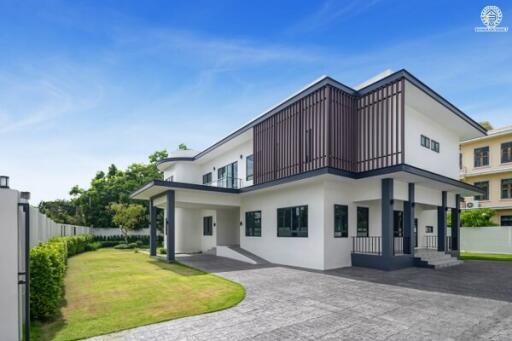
x: 401, y: 245
x: 431, y: 242
x: 367, y: 245
x: 226, y: 182
x: 448, y: 244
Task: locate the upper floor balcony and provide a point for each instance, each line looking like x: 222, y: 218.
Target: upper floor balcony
x: 226, y: 182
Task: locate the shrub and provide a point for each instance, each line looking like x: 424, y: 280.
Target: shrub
x: 162, y: 251
x: 47, y: 267
x: 93, y: 246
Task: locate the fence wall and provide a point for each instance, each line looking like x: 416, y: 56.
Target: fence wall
x: 495, y: 239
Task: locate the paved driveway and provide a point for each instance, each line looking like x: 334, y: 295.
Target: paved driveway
x: 291, y: 304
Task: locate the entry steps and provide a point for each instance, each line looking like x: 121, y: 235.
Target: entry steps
x: 435, y: 259
x: 237, y: 253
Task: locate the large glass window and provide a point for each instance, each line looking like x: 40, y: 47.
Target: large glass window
x: 227, y: 176
x: 340, y: 221
x: 506, y: 220
x: 253, y: 224
x: 506, y: 189
x: 481, y: 156
x: 292, y: 221
x: 363, y: 221
x: 249, y: 167
x: 398, y: 223
x: 485, y: 186
x: 506, y: 152
x: 207, y: 178
x: 207, y: 226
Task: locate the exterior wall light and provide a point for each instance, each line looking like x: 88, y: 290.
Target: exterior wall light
x: 241, y: 223
x: 241, y: 156
x: 4, y: 181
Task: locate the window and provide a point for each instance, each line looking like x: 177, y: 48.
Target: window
x: 506, y: 152
x: 485, y: 186
x: 506, y: 220
x: 434, y: 146
x: 425, y: 141
x: 460, y: 160
x: 398, y: 224
x: 227, y: 176
x: 340, y: 221
x: 207, y: 178
x: 363, y: 221
x: 506, y: 189
x: 249, y: 167
x: 171, y: 178
x: 292, y: 221
x: 481, y: 156
x: 207, y: 226
x: 429, y: 229
x: 253, y: 224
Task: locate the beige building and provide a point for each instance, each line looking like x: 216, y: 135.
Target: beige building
x: 486, y: 162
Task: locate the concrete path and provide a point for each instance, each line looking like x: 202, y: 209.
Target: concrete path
x: 291, y: 304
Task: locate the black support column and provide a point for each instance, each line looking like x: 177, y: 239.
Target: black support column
x: 441, y: 223
x: 456, y: 225
x: 170, y: 226
x: 387, y: 217
x: 152, y: 229
x: 409, y: 222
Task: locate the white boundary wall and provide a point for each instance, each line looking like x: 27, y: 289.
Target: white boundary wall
x: 494, y: 239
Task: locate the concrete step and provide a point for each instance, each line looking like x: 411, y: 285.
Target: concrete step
x: 436, y: 259
x: 256, y: 259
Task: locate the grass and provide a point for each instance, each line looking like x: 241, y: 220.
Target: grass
x: 485, y: 256
x: 110, y: 290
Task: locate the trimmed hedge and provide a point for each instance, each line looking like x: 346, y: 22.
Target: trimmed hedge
x: 47, y: 267
x: 131, y: 239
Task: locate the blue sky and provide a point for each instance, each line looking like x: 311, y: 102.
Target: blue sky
x: 87, y: 83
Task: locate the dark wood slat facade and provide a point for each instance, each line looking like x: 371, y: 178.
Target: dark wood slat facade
x: 332, y: 128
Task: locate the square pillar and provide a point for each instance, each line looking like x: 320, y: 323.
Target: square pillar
x: 170, y: 226
x: 441, y: 223
x: 152, y: 229
x: 456, y: 225
x: 409, y: 222
x: 387, y: 218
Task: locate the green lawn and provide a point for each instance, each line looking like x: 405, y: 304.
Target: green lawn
x: 109, y: 290
x: 485, y: 256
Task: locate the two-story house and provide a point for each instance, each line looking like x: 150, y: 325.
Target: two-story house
x: 486, y: 162
x: 331, y: 177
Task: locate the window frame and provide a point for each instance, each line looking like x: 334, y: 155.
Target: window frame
x: 429, y: 229
x: 506, y: 187
x: 435, y: 146
x: 483, y: 159
x: 249, y: 176
x: 508, y: 217
x: 485, y: 196
x: 343, y: 228
x: 299, y: 219
x: 425, y: 141
x: 208, y: 228
x: 250, y: 231
x: 367, y: 210
x: 207, y: 176
x: 506, y: 157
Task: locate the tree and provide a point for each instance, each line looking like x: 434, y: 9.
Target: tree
x: 479, y: 217
x: 127, y: 217
x: 182, y: 146
x: 61, y: 211
x: 487, y: 125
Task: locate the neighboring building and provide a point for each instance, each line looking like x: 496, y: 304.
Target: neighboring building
x: 486, y: 162
x: 331, y: 177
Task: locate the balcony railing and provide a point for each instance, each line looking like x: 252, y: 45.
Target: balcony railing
x: 367, y: 245
x: 431, y: 242
x: 226, y: 182
x: 401, y: 245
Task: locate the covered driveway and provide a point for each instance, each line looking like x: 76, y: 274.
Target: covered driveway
x: 284, y: 303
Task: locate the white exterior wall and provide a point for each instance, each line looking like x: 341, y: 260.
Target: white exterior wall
x: 228, y: 227
x: 188, y: 231
x: 446, y: 162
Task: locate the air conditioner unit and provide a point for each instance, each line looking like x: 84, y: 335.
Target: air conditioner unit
x: 473, y: 204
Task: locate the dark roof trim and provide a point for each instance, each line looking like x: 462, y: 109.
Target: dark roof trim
x: 425, y: 88
x: 183, y: 185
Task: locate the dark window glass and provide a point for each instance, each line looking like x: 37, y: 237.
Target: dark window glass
x: 207, y: 226
x: 398, y: 223
x: 506, y: 152
x: 207, y: 178
x: 481, y: 156
x: 460, y: 161
x: 485, y: 186
x: 227, y: 176
x: 253, y: 224
x: 249, y: 167
x: 340, y: 221
x: 429, y: 229
x: 506, y: 189
x: 434, y: 146
x: 506, y: 220
x: 425, y: 141
x: 363, y: 221
x: 292, y: 221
